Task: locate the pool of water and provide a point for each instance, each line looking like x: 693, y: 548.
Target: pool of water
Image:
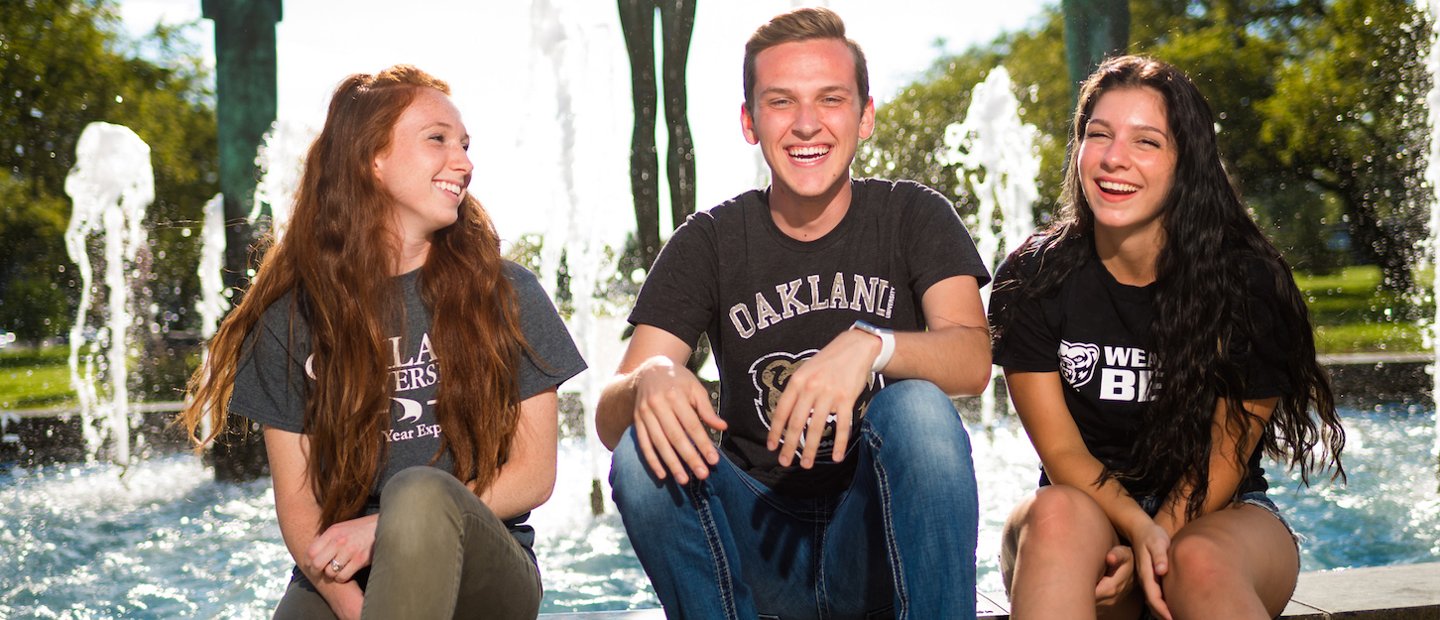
x: 163, y: 540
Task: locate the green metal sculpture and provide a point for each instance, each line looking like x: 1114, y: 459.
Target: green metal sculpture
x: 245, y: 87
x: 1094, y: 29
x: 677, y: 21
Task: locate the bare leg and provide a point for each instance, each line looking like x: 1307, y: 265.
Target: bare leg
x: 1053, y: 555
x: 1239, y: 562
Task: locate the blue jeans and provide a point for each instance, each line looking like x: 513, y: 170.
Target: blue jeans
x: 900, y: 540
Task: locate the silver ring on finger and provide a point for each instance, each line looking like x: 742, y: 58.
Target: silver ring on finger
x: 336, y: 565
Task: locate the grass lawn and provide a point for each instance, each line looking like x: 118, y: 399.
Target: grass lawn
x: 1349, y: 315
x: 34, y: 378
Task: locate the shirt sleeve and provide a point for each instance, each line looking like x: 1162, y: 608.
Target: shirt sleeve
x: 553, y: 357
x: 1024, y: 338
x: 938, y: 246
x: 1262, y: 358
x: 270, y: 377
x: 680, y: 293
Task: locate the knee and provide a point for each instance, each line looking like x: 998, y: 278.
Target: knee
x: 632, y: 485
x: 419, y: 485
x: 1198, y: 563
x: 915, y: 416
x: 1058, y: 517
x: 422, y: 494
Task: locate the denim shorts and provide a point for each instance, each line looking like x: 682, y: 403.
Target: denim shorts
x: 1151, y: 505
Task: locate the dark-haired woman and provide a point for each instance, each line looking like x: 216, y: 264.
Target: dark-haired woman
x: 1154, y: 345
x: 405, y: 374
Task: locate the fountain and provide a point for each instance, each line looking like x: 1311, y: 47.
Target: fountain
x: 995, y: 154
x: 111, y: 185
x: 1432, y: 177
x: 280, y: 159
x: 165, y: 540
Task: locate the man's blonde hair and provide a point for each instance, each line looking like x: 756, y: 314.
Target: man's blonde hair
x: 802, y: 25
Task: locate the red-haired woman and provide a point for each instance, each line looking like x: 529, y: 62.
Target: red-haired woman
x: 405, y: 374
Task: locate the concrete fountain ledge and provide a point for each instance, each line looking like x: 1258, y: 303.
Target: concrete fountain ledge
x: 1410, y: 592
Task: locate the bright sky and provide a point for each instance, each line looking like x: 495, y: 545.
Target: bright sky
x: 514, y: 65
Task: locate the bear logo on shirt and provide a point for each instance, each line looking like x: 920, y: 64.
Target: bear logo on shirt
x: 1077, y: 362
x: 771, y: 373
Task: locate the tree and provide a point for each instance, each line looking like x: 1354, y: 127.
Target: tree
x: 1319, y: 105
x: 1348, y: 119
x: 63, y: 65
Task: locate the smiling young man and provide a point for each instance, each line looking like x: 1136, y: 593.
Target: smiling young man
x: 841, y: 312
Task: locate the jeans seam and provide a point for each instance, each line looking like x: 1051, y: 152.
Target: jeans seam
x: 717, y: 550
x: 822, y: 598
x: 467, y: 519
x: 887, y: 523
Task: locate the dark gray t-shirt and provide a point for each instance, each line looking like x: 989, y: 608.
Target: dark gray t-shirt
x: 270, y: 384
x: 769, y: 302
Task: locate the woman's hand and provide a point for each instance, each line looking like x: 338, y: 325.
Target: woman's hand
x: 343, y: 549
x: 1152, y: 561
x: 1118, y: 583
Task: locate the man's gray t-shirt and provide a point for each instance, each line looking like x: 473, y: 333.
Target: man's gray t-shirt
x: 271, y: 381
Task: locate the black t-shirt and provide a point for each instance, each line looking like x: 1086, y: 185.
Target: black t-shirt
x: 270, y: 381
x: 768, y: 302
x: 1095, y: 332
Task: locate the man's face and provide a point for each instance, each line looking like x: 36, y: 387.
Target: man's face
x: 808, y: 117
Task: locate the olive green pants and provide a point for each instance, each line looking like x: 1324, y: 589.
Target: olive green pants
x: 439, y: 554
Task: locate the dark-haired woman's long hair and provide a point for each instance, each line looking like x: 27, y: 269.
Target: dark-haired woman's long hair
x: 1202, y: 304
x: 337, y: 257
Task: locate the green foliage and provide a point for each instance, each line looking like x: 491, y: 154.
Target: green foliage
x: 1319, y: 104
x: 63, y: 65
x: 1361, y: 133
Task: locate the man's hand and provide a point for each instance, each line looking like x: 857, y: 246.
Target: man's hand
x: 824, y: 385
x: 672, y: 410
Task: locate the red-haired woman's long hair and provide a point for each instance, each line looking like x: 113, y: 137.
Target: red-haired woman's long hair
x: 338, y: 256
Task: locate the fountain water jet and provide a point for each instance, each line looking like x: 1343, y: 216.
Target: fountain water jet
x: 995, y: 154
x: 568, y: 52
x: 1432, y: 177
x: 111, y: 185
x: 280, y: 159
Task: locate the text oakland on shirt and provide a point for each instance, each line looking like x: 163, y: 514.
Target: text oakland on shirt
x: 874, y: 294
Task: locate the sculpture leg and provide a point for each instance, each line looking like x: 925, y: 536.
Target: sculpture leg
x: 677, y: 21
x: 637, y: 22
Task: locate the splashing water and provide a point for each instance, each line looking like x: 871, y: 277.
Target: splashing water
x: 576, y: 230
x: 281, y: 160
x: 214, y: 301
x: 212, y: 304
x: 995, y: 151
x: 1432, y: 177
x: 165, y: 541
x: 995, y: 154
x: 111, y: 185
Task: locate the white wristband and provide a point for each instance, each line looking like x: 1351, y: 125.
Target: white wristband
x: 887, y: 344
